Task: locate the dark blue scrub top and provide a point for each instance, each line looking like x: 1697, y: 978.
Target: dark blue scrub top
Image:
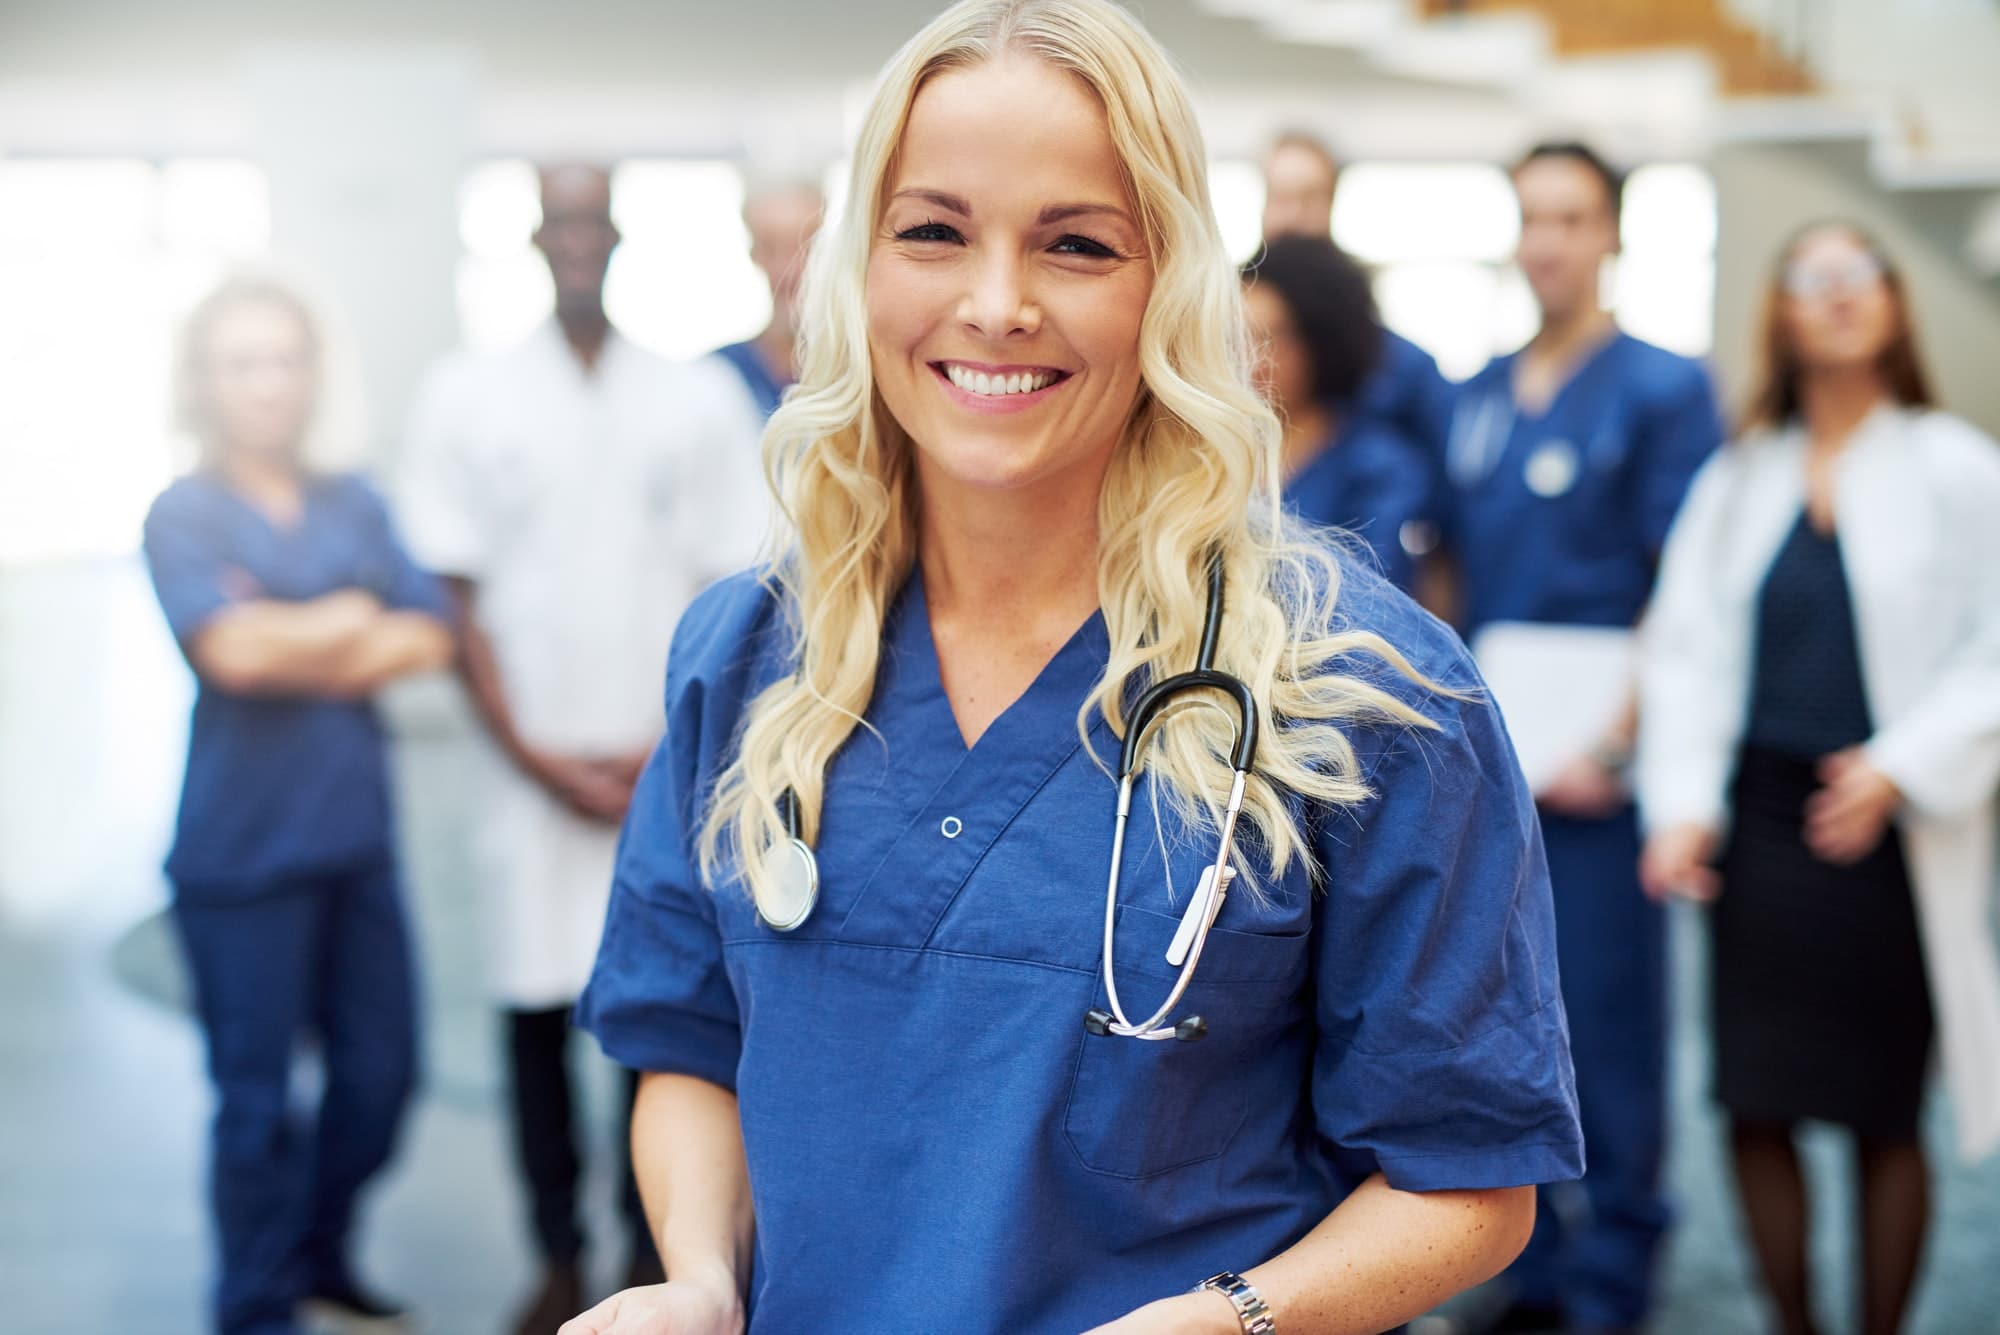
x: 1374, y: 480
x: 764, y: 387
x: 934, y: 1141
x: 1560, y: 518
x: 1407, y: 390
x: 276, y: 786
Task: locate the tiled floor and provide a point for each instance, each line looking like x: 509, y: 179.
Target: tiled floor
x: 102, y: 1098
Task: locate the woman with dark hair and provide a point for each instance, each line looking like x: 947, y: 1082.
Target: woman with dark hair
x: 293, y: 603
x: 1313, y: 319
x: 1820, y: 747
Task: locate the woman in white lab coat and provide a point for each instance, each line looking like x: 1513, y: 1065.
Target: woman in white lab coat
x: 1819, y: 753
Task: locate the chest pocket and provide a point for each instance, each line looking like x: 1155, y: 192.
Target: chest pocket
x: 1139, y: 1108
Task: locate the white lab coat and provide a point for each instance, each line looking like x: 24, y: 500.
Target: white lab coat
x: 1916, y: 498
x: 589, y: 508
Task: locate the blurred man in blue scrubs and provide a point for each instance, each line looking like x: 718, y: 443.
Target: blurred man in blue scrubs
x: 1567, y: 461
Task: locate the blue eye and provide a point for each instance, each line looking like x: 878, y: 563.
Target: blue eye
x: 1073, y: 244
x: 930, y: 231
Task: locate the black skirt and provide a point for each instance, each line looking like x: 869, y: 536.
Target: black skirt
x: 1821, y: 1007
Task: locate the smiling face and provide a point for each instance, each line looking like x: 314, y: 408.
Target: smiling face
x: 1007, y: 281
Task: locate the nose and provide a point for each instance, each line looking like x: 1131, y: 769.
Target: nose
x: 998, y: 302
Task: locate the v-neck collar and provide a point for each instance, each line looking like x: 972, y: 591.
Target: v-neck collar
x: 918, y: 677
x: 1578, y: 373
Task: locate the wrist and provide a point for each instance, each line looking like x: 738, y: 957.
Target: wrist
x: 1207, y: 1312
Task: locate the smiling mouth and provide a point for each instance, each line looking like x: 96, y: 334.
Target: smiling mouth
x: 1000, y: 384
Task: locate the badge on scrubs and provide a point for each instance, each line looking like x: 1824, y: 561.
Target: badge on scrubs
x: 1551, y: 469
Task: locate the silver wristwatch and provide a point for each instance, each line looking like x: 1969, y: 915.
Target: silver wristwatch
x: 1251, y: 1312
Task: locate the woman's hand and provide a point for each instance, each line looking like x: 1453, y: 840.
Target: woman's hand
x: 1847, y: 818
x: 1679, y: 861
x: 1203, y: 1313
x: 678, y: 1307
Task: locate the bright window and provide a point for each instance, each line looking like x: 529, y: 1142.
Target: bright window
x: 100, y: 259
x: 681, y: 282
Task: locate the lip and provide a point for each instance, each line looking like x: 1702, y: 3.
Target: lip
x: 997, y: 405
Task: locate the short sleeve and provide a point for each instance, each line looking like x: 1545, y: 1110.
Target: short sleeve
x: 659, y: 998
x: 393, y: 576
x: 1443, y: 1050
x: 184, y: 555
x: 437, y: 491
x: 1679, y: 434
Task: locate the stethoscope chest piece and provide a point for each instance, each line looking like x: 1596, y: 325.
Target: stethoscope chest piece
x: 790, y: 887
x: 1551, y: 469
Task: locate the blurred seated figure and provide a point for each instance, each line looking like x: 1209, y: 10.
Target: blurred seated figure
x: 1312, y: 319
x: 1819, y: 750
x: 294, y: 603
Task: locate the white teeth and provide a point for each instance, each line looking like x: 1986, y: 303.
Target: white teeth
x: 978, y: 382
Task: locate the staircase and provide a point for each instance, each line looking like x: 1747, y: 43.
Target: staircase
x: 1747, y: 60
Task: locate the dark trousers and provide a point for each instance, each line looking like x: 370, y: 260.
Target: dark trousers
x: 326, y: 955
x: 1594, y: 1252
x: 545, y: 1135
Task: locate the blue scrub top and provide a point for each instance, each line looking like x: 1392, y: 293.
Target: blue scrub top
x: 934, y: 1141
x: 277, y: 786
x: 766, y: 389
x: 1374, y: 480
x: 1407, y: 390
x: 1560, y: 518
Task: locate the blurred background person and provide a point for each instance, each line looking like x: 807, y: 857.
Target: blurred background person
x: 1822, y: 738
x: 1312, y: 320
x: 1405, y: 388
x: 782, y: 219
x: 1567, y: 461
x: 293, y: 602
x: 576, y: 492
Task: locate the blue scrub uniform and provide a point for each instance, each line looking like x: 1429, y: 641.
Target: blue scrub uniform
x: 934, y: 1141
x: 1375, y: 481
x: 1408, y: 393
x: 765, y: 388
x: 285, y: 893
x: 1559, y: 518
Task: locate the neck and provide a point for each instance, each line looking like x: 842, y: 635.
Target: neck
x: 585, y: 330
x: 776, y: 346
x: 269, y: 480
x: 1565, y: 334
x: 1018, y: 558
x: 1307, y: 431
x: 1834, y: 401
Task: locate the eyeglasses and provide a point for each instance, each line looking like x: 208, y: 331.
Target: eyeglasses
x: 1814, y: 282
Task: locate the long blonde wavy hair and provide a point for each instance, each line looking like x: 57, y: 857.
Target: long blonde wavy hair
x: 1196, y: 473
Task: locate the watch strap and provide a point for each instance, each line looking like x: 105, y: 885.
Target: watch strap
x: 1251, y: 1312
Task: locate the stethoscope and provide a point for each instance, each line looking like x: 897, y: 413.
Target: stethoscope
x: 791, y: 882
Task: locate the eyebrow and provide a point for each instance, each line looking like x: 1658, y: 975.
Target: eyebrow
x: 1054, y: 213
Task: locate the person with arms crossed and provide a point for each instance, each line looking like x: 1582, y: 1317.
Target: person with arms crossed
x: 294, y: 603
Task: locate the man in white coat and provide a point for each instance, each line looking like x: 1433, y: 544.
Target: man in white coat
x: 577, y: 491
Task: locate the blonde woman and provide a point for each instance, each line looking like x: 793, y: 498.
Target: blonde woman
x: 1031, y: 481
x: 1820, y: 746
x: 294, y: 603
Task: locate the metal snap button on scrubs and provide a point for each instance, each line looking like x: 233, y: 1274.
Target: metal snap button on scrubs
x: 951, y: 827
